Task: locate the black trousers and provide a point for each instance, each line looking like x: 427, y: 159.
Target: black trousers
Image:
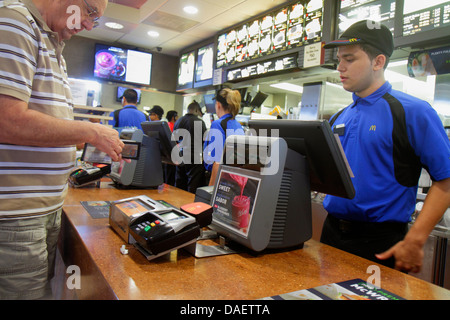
x: 364, y: 239
x: 189, y: 177
x: 169, y: 173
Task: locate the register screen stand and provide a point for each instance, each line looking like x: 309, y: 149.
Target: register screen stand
x: 200, y: 250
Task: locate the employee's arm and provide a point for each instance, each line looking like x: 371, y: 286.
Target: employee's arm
x: 22, y: 126
x: 409, y: 252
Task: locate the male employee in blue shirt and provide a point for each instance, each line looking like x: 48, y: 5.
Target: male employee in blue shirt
x: 129, y: 115
x: 387, y: 136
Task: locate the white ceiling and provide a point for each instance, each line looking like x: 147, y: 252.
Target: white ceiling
x: 177, y: 29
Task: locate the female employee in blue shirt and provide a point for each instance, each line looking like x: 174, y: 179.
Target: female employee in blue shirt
x: 228, y: 104
x: 387, y: 136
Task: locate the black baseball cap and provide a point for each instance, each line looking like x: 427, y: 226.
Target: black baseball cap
x: 366, y: 32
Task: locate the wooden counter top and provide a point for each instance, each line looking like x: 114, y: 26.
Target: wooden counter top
x: 92, y: 245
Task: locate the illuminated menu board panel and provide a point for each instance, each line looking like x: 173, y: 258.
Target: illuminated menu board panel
x: 204, y: 67
x: 296, y: 26
x: 285, y: 28
x: 382, y: 11
x: 265, y: 35
x: 186, y: 71
x: 313, y: 21
x: 421, y: 16
x: 265, y: 67
x: 280, y: 23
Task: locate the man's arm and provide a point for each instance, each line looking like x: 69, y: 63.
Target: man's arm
x: 22, y: 126
x: 409, y: 252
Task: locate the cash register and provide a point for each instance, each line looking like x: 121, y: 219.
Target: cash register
x: 261, y: 198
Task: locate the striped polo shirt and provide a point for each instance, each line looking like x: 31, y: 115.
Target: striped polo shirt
x: 33, y: 180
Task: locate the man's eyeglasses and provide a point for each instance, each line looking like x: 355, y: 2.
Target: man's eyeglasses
x: 91, y: 14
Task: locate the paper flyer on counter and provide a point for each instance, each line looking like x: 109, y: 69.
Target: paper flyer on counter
x: 355, y: 289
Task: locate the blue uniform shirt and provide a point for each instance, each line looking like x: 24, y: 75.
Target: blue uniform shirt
x: 368, y: 144
x: 212, y: 149
x: 129, y: 116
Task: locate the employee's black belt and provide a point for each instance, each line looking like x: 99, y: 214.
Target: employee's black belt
x: 361, y: 227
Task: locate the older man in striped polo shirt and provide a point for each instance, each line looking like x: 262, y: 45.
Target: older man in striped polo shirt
x: 38, y: 136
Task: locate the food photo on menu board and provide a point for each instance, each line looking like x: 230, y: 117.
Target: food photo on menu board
x: 279, y: 30
x: 221, y: 50
x: 294, y: 34
x: 253, y: 40
x: 313, y: 21
x: 265, y: 38
x: 234, y: 200
x: 241, y: 44
x: 111, y: 63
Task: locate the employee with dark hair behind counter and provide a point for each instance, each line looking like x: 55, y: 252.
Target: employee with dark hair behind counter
x: 156, y: 113
x: 37, y: 138
x: 129, y: 115
x: 387, y: 136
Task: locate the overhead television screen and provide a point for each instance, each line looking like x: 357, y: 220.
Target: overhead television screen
x: 122, y: 65
x: 121, y: 90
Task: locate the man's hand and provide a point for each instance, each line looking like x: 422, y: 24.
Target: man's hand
x: 107, y: 140
x: 408, y: 256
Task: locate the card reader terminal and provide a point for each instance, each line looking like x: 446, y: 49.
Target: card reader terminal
x: 163, y: 230
x: 123, y: 212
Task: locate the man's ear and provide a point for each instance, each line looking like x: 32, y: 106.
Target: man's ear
x: 379, y: 62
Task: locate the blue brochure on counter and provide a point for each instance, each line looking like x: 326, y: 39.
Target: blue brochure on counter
x: 355, y: 289
x: 97, y: 209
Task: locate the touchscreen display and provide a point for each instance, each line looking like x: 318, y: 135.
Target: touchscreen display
x: 131, y: 150
x: 93, y: 155
x: 133, y: 207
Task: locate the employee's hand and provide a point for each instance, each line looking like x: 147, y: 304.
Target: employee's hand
x: 107, y: 140
x: 408, y: 256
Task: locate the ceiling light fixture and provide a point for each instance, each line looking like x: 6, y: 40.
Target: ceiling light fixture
x: 190, y: 9
x: 153, y: 34
x: 114, y: 25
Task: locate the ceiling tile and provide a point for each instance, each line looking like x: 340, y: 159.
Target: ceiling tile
x: 137, y: 4
x: 169, y: 21
x: 177, y: 29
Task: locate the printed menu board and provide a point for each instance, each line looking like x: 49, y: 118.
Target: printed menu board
x: 285, y: 28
